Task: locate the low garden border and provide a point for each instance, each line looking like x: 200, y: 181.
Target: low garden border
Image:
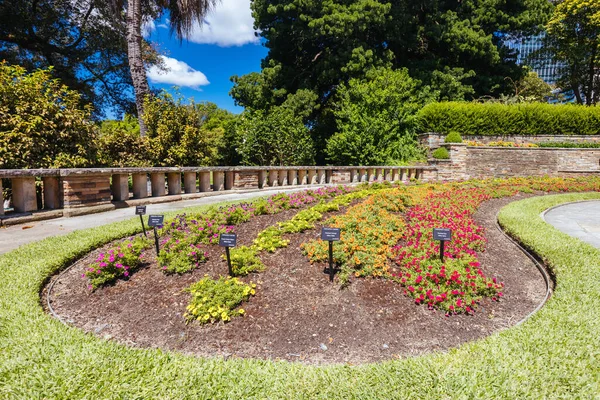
x: 551, y: 355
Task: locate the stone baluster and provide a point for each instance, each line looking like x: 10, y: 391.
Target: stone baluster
x: 302, y: 177
x: 397, y: 176
x: 263, y: 179
x: 322, y: 176
x: 229, y: 180
x: 354, y: 176
x: 24, y: 194
x: 205, y: 181
x: 283, y: 177
x: 51, y: 188
x: 174, y: 183
x: 140, y: 185
x: 1, y: 198
x: 389, y: 176
x: 372, y: 174
x: 189, y: 182
x: 157, y: 181
x: 218, y: 181
x: 273, y: 180
x: 293, y: 177
x: 312, y: 177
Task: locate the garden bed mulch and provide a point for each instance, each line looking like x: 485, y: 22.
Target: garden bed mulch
x: 297, y: 314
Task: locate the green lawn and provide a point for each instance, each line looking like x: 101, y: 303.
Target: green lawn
x: 555, y: 354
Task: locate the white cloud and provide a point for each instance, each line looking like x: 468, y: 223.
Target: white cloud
x: 148, y: 27
x: 229, y: 24
x: 178, y: 73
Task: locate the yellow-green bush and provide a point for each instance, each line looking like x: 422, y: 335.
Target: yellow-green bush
x: 515, y: 119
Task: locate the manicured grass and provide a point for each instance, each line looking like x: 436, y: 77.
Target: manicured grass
x: 555, y: 354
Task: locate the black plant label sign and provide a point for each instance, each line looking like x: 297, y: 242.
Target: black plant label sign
x: 228, y: 240
x: 330, y: 234
x: 140, y: 210
x: 156, y: 220
x: 443, y: 235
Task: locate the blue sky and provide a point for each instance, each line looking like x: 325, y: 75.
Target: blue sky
x: 224, y: 45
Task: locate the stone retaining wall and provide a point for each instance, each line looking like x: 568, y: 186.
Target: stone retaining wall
x: 500, y: 162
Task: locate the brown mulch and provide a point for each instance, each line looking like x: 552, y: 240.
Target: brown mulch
x: 297, y: 314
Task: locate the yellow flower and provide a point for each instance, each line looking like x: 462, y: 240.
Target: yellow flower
x: 241, y: 311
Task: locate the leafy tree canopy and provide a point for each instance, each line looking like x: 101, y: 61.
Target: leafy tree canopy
x: 573, y: 39
x: 42, y: 122
x: 81, y: 40
x: 375, y: 119
x: 452, y: 47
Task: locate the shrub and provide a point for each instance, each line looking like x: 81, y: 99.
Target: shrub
x: 117, y: 262
x: 441, y: 153
x: 375, y: 120
x: 570, y: 145
x: 216, y: 300
x: 180, y: 256
x: 453, y: 137
x: 42, y: 123
x: 183, y: 134
x: 120, y: 145
x: 244, y: 260
x: 516, y: 119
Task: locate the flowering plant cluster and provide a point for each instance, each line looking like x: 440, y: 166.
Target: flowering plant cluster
x: 368, y: 231
x: 459, y: 283
x: 216, y: 300
x: 501, y: 143
x: 119, y: 261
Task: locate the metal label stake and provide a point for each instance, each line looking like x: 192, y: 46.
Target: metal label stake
x: 141, y: 211
x: 228, y: 240
x: 331, y: 235
x: 443, y: 235
x: 156, y: 221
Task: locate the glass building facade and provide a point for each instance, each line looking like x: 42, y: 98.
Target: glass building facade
x: 526, y: 47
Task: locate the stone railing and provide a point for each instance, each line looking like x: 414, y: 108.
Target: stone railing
x: 82, y: 191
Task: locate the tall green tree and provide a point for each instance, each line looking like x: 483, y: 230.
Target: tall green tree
x: 452, y: 46
x: 81, y: 40
x: 375, y: 119
x: 573, y: 39
x: 183, y: 15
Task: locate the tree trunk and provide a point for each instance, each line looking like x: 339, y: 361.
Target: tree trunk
x: 136, y: 62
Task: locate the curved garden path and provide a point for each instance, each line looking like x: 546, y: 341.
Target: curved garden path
x: 580, y: 220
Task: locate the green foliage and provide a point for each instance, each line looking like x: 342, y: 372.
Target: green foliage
x: 270, y: 240
x: 518, y: 119
x: 453, y: 137
x: 441, y: 153
x: 42, y: 122
x: 573, y: 40
x: 83, y: 42
x: 452, y: 48
x: 245, y: 260
x: 279, y: 135
x: 181, y: 255
x: 184, y: 134
x: 119, y: 261
x: 120, y: 145
x: 570, y: 145
x: 216, y: 300
x: 375, y: 120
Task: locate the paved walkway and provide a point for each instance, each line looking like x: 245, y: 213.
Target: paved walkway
x: 17, y: 235
x: 580, y: 220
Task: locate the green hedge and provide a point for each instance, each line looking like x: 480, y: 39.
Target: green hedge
x: 570, y: 145
x: 499, y: 119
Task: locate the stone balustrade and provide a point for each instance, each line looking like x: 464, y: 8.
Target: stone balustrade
x: 83, y: 191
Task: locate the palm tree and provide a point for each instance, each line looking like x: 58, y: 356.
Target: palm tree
x: 183, y: 14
